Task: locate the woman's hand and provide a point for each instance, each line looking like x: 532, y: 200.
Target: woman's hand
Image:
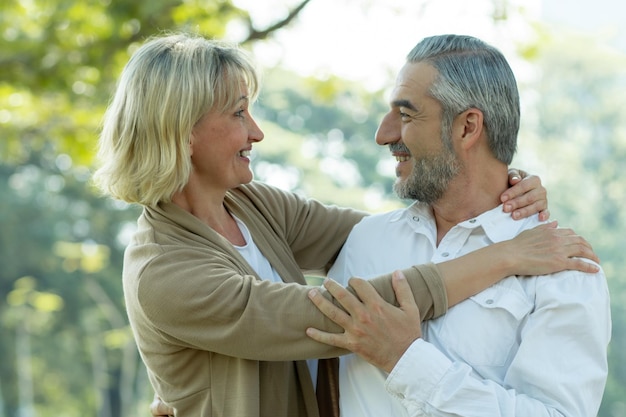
x: 526, y: 196
x: 159, y: 409
x: 546, y: 249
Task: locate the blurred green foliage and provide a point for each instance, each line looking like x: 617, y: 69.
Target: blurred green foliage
x: 574, y: 135
x: 66, y: 347
x: 61, y: 58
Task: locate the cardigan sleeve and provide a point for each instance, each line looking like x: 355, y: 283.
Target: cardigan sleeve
x: 426, y: 284
x: 191, y: 288
x: 208, y: 306
x: 428, y: 289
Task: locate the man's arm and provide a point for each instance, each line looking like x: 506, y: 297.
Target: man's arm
x: 560, y: 367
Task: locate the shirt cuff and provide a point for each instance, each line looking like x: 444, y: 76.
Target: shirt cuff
x: 418, y: 373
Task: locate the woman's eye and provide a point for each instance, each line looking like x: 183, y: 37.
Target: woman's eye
x: 239, y: 113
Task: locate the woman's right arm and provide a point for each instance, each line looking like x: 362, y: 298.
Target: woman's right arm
x: 542, y: 250
x: 538, y: 251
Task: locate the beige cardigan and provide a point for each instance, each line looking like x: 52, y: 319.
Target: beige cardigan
x: 219, y: 341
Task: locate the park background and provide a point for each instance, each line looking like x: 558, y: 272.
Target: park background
x: 65, y: 345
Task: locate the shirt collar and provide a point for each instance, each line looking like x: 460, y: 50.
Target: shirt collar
x: 497, y: 225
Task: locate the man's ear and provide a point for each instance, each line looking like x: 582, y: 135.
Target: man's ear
x: 471, y: 124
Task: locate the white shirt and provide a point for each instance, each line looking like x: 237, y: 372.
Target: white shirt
x: 524, y: 347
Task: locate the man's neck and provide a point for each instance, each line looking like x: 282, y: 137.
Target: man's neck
x: 466, y: 199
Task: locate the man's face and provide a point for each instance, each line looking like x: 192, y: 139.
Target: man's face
x: 412, y: 129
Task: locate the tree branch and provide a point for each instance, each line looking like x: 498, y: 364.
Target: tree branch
x: 257, y: 34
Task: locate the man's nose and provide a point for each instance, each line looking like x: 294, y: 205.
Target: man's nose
x: 388, y: 130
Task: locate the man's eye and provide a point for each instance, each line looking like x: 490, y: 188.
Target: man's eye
x: 404, y: 116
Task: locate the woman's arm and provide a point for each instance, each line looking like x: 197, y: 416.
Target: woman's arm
x: 542, y: 250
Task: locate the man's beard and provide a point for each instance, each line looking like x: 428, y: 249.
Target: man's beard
x: 429, y: 178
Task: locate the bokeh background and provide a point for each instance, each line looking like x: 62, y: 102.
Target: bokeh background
x: 65, y: 345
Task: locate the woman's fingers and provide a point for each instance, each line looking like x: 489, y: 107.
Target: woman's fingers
x: 159, y: 409
x: 526, y: 198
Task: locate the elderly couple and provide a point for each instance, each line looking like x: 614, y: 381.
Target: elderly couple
x: 515, y: 322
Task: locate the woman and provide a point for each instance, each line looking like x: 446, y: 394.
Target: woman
x: 212, y: 277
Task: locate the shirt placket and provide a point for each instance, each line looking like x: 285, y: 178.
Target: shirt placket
x: 451, y: 245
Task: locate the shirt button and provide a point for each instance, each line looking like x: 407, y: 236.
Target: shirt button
x: 473, y: 221
x: 489, y: 301
x: 445, y: 254
x: 415, y: 218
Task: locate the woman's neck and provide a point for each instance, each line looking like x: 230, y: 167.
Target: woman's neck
x: 209, y: 208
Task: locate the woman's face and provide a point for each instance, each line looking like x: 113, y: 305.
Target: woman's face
x: 221, y: 145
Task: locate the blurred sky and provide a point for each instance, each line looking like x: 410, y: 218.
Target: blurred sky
x: 604, y: 19
x: 367, y: 40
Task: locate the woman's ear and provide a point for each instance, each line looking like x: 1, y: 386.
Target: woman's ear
x: 191, y: 140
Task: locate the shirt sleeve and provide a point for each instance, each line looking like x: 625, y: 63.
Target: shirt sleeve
x: 559, y: 367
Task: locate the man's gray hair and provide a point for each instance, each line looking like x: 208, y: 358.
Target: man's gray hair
x: 474, y: 74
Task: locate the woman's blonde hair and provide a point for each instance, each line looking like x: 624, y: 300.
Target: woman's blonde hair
x: 166, y: 87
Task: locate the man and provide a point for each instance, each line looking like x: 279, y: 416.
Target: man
x: 524, y: 347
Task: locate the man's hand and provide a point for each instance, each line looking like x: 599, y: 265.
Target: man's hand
x: 377, y: 331
x: 159, y: 409
x: 526, y: 196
